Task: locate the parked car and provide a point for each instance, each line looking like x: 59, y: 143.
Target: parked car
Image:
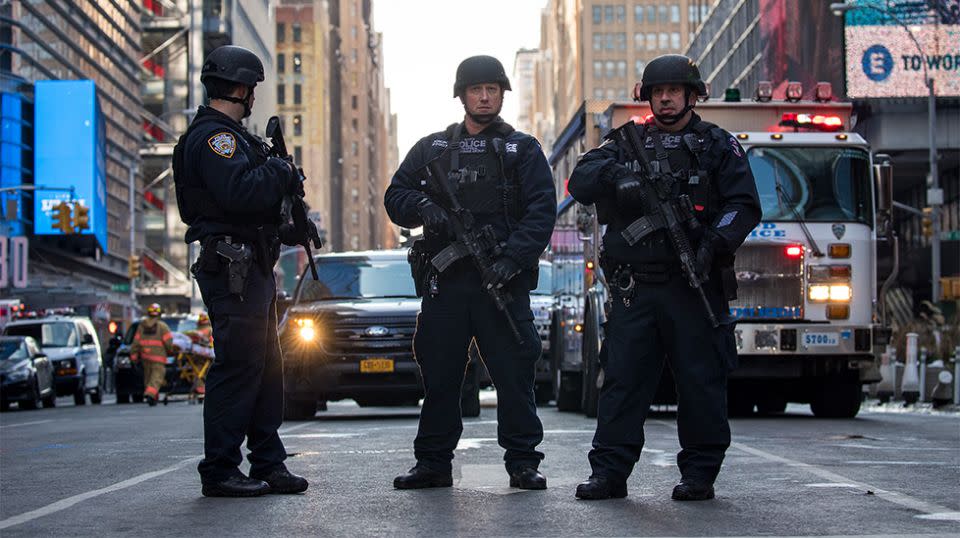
x: 72, y: 346
x: 127, y: 375
x: 26, y: 375
x: 350, y: 334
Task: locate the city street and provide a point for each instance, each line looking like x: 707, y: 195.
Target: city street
x: 109, y: 470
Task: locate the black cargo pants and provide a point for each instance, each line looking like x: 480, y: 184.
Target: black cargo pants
x: 244, y: 386
x: 446, y: 324
x: 665, y: 322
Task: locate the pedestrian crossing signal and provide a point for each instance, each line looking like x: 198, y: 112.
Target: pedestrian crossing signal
x: 81, y: 221
x: 927, y: 222
x: 63, y: 218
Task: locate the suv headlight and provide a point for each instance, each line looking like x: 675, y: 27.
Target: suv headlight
x: 305, y: 329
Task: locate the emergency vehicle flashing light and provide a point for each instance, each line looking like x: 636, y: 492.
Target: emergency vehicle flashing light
x: 819, y: 122
x: 794, y: 251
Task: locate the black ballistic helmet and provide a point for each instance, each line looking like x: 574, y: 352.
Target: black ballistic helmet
x: 233, y: 64
x: 671, y: 69
x: 477, y: 70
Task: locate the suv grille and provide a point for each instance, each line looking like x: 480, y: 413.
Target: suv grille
x: 365, y: 336
x: 770, y: 283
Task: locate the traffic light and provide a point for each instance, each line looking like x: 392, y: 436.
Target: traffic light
x: 927, y: 222
x: 81, y: 220
x: 133, y: 269
x: 62, y: 218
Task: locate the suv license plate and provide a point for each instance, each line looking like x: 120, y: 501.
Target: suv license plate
x: 820, y: 339
x: 376, y: 366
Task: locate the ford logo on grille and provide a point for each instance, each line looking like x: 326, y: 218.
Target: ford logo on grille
x: 376, y: 330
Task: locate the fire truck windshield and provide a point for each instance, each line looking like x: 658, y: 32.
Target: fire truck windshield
x: 818, y: 184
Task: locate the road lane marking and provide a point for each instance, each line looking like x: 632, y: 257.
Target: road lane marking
x: 5, y: 426
x: 878, y: 462
x: 293, y: 428
x: 320, y: 435
x: 890, y: 496
x: 63, y: 504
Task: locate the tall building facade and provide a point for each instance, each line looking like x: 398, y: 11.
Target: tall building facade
x: 46, y: 40
x: 177, y: 36
x: 361, y: 145
x: 303, y: 97
x: 596, y: 50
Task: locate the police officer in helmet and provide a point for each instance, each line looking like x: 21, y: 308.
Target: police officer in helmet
x: 229, y: 194
x: 656, y: 315
x: 502, y: 178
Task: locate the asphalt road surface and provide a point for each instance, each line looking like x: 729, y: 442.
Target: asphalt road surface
x: 131, y: 470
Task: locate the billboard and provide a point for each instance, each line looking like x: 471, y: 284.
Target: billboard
x: 14, y: 119
x: 69, y: 152
x: 884, y: 61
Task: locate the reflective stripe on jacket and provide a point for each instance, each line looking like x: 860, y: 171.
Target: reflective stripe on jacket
x: 152, y: 342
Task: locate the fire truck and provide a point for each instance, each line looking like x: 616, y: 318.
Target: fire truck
x: 809, y: 326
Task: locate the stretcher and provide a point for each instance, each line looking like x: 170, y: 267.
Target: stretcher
x: 190, y: 366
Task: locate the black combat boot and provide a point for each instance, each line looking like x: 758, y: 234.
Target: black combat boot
x: 283, y: 481
x: 236, y: 486
x: 598, y: 488
x: 692, y: 490
x: 420, y: 477
x: 527, y: 478
x: 151, y: 401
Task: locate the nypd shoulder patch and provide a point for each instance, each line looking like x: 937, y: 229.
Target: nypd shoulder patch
x: 223, y: 144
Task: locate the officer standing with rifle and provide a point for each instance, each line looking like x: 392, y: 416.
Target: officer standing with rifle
x: 678, y: 198
x: 230, y: 193
x: 485, y: 196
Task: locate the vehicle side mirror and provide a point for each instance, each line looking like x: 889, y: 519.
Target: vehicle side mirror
x: 883, y: 178
x: 87, y: 339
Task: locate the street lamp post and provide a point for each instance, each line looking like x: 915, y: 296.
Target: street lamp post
x: 934, y: 194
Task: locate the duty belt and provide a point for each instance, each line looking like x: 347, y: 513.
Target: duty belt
x: 626, y: 277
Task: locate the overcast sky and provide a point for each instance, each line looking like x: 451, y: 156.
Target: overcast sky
x: 425, y: 40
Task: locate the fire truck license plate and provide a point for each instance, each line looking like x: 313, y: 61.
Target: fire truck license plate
x: 820, y: 339
x: 376, y: 366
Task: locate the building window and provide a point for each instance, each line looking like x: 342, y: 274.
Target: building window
x: 354, y: 148
x: 353, y: 32
x: 281, y: 94
x: 651, y: 14
x: 597, y: 69
x: 674, y: 13
x: 675, y: 40
x: 354, y: 103
x: 296, y: 32
x: 692, y: 14
x: 638, y: 14
x: 297, y: 94
x: 638, y: 41
x: 664, y: 16
x: 597, y: 41
x: 638, y: 68
x: 608, y: 14
x: 353, y: 123
x: 297, y: 154
x: 609, y: 40
x: 281, y: 32
x: 621, y: 13
x: 611, y: 93
x: 353, y: 56
x: 296, y: 62
x: 597, y: 14
x: 622, y: 69
x: 664, y: 41
x: 598, y: 93
x: 281, y: 62
x: 651, y: 41
x: 611, y: 69
x: 621, y: 41
x: 297, y: 125
x: 704, y: 11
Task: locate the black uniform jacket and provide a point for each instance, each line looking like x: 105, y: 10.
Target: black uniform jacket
x: 527, y: 236
x: 233, y: 166
x: 737, y: 210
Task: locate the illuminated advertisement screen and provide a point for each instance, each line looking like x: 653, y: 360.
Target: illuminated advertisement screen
x: 69, y: 152
x: 884, y: 61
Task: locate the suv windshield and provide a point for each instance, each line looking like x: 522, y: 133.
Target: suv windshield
x: 54, y: 334
x: 822, y: 184
x: 545, y: 284
x: 13, y: 350
x: 357, y: 278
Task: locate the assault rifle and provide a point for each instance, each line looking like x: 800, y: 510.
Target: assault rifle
x: 664, y: 212
x: 479, y: 244
x: 294, y: 209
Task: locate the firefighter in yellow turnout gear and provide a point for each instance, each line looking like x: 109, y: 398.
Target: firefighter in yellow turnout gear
x: 152, y: 343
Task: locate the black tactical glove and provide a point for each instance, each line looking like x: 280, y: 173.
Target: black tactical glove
x: 292, y: 182
x: 498, y: 274
x: 705, y: 254
x: 288, y: 235
x: 629, y: 191
x: 434, y: 217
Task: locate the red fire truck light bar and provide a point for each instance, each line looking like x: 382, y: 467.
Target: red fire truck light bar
x: 794, y: 251
x: 817, y: 122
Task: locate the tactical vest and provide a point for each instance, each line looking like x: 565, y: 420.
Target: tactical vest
x: 193, y: 200
x: 484, y: 186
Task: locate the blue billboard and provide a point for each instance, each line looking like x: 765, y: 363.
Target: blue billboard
x: 13, y: 167
x: 69, y: 152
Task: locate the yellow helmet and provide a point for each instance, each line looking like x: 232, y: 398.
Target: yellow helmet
x: 154, y: 310
x: 203, y: 319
